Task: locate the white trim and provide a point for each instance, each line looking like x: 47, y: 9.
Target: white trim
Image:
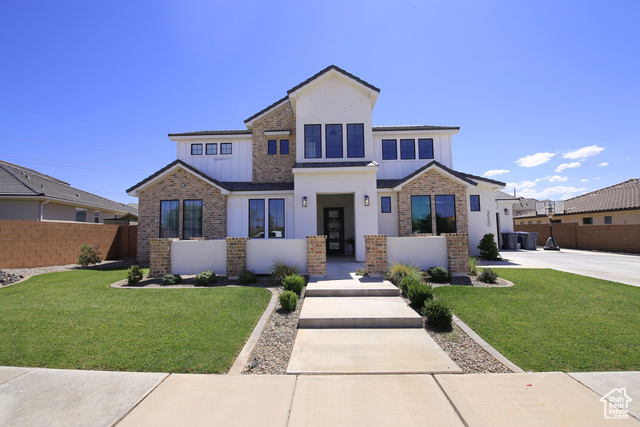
x: 136, y: 192
x: 249, y: 124
x: 203, y: 138
x: 260, y: 193
x: 333, y: 170
x: 415, y: 132
x: 277, y: 132
x: 439, y: 170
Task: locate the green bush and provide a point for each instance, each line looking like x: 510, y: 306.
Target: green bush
x: 362, y: 272
x: 134, y: 275
x: 294, y: 283
x: 438, y: 314
x: 488, y: 247
x: 281, y: 270
x: 418, y: 293
x: 206, y: 278
x: 488, y: 276
x: 288, y: 300
x: 473, y: 266
x: 171, y: 279
x: 406, y: 282
x: 247, y: 277
x: 89, y: 256
x: 439, y: 274
x: 396, y: 272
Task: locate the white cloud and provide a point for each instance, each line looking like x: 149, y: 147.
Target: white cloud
x: 534, y: 160
x: 495, y: 172
x: 543, y: 179
x: 604, y: 164
x: 583, y: 153
x: 557, y: 178
x: 597, y: 177
x: 567, y: 166
x: 584, y: 180
x: 553, y: 193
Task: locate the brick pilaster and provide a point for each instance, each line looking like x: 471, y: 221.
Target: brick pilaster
x: 317, y: 255
x: 458, y: 253
x: 160, y: 257
x: 236, y: 256
x: 375, y: 246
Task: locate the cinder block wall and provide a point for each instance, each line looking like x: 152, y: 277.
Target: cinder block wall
x: 613, y: 238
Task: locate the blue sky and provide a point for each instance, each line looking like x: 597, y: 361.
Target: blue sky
x: 547, y: 93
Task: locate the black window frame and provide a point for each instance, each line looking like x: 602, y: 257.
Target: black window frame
x: 264, y: 225
x: 385, y: 204
x: 608, y: 219
x: 413, y: 149
x: 455, y: 216
x: 284, y: 218
x: 186, y: 228
x: 587, y: 220
x: 81, y: 210
x: 196, y: 146
x: 351, y: 147
x: 177, y: 220
x: 272, y: 146
x: 395, y: 149
x: 429, y: 141
x: 213, y: 145
x: 429, y: 220
x: 318, y: 150
x: 284, y: 146
x: 471, y: 204
x: 224, y: 146
x: 326, y: 141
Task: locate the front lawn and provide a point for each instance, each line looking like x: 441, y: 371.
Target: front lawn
x: 74, y: 320
x: 554, y: 321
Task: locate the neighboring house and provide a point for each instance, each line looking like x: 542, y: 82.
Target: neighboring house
x: 312, y: 163
x: 523, y: 204
x: 618, y: 204
x: 26, y: 194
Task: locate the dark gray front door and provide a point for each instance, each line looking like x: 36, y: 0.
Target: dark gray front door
x: 334, y: 229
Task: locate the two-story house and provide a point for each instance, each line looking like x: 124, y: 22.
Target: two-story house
x: 312, y: 163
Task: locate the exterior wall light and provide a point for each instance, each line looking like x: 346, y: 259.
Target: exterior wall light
x: 304, y: 201
x: 506, y: 211
x: 366, y: 200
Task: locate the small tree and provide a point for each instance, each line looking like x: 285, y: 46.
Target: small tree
x: 89, y: 255
x: 488, y: 247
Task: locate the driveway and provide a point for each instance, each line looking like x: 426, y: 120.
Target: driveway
x: 601, y: 265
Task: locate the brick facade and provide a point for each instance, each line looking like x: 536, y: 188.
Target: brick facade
x: 236, y: 256
x: 432, y: 183
x: 376, y: 254
x: 317, y: 255
x: 160, y: 257
x: 458, y: 253
x: 274, y: 167
x: 180, y: 185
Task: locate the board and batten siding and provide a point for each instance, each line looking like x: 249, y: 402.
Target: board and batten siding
x: 395, y: 169
x: 223, y: 167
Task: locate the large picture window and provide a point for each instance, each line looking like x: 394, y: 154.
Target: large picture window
x: 445, y: 214
x: 425, y: 148
x: 192, y: 219
x: 389, y: 149
x: 169, y: 217
x: 333, y: 135
x: 276, y: 218
x: 256, y: 218
x: 420, y: 214
x: 312, y: 141
x: 355, y: 140
x: 407, y: 149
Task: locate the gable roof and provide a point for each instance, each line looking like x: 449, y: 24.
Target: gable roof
x: 409, y: 128
x: 465, y: 177
x: 214, y: 132
x: 501, y: 195
x: 18, y: 181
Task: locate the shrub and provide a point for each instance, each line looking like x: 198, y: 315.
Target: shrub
x: 473, y: 266
x: 488, y: 247
x: 438, y: 314
x: 406, y: 282
x: 396, y: 272
x: 206, y: 278
x: 281, y: 270
x: 171, y: 279
x: 419, y: 293
x: 362, y: 272
x: 247, y: 277
x: 89, y: 255
x: 294, y: 283
x: 134, y: 275
x: 439, y: 274
x: 288, y: 300
x: 488, y: 276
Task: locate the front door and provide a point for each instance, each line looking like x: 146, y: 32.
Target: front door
x: 334, y: 229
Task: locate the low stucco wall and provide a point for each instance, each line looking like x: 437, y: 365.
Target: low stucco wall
x: 261, y: 254
x: 424, y: 252
x: 196, y: 256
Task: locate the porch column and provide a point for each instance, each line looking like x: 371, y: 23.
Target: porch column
x: 458, y: 253
x: 236, y: 256
x: 317, y: 256
x: 375, y: 246
x: 159, y: 257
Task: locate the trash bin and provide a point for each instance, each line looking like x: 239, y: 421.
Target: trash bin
x: 509, y: 240
x: 530, y: 241
x: 522, y: 236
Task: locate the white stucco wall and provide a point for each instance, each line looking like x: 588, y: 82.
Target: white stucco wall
x: 424, y: 252
x: 234, y: 167
x: 25, y: 210
x: 261, y: 254
x: 238, y: 213
x: 196, y: 256
x: 484, y: 221
x: 388, y: 222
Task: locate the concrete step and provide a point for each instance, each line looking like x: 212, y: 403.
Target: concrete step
x: 352, y: 288
x: 357, y: 312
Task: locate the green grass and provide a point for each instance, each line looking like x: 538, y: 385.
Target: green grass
x: 74, y: 320
x: 554, y: 321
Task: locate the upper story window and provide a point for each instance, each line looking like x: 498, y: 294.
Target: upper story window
x: 273, y: 146
x: 425, y: 148
x: 608, y: 219
x: 312, y: 141
x: 407, y: 149
x: 212, y: 149
x: 389, y: 149
x: 385, y: 204
x: 474, y: 202
x: 284, y: 146
x: 225, y: 148
x: 333, y: 135
x: 445, y: 214
x: 196, y: 149
x: 587, y: 221
x: 355, y: 140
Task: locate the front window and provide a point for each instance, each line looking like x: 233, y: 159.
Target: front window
x: 445, y: 214
x: 169, y: 214
x: 420, y: 214
x: 81, y: 215
x: 355, y: 140
x: 276, y: 218
x: 389, y: 149
x: 474, y: 202
x: 212, y: 149
x: 192, y: 218
x: 334, y: 141
x: 312, y: 141
x: 225, y: 148
x: 284, y: 146
x: 385, y: 204
x: 407, y: 149
x: 273, y: 146
x: 256, y: 218
x: 196, y: 149
x: 425, y: 148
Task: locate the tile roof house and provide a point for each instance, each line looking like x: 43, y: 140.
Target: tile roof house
x: 26, y: 194
x: 311, y: 164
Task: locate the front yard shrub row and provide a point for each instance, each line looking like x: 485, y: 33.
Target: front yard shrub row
x: 396, y: 272
x: 488, y: 276
x: 419, y: 293
x: 407, y: 282
x: 171, y: 279
x: 206, y: 278
x: 294, y: 283
x: 439, y: 274
x: 288, y: 300
x: 281, y: 270
x: 437, y: 313
x: 134, y: 275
